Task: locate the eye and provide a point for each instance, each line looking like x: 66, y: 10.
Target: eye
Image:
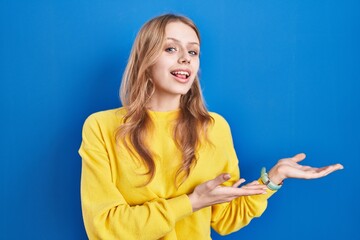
x: 193, y: 53
x: 170, y: 49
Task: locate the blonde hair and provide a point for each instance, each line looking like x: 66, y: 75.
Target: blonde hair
x: 136, y: 90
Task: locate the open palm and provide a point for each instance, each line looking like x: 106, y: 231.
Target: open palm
x: 290, y: 168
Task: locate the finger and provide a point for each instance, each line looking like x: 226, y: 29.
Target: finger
x: 239, y: 182
x: 212, y: 184
x: 256, y: 191
x: 339, y: 166
x: 237, y: 192
x: 298, y: 157
x: 322, y: 172
x: 331, y: 169
x: 253, y: 183
x: 229, y: 193
x: 254, y: 187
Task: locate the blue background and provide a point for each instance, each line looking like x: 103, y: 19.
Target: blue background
x: 285, y: 74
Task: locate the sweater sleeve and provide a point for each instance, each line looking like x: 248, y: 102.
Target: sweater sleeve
x: 232, y: 216
x: 106, y: 213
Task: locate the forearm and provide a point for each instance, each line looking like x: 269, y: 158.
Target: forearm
x: 107, y: 213
x: 151, y: 220
x: 230, y: 217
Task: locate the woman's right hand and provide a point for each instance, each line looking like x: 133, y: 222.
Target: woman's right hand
x: 211, y: 192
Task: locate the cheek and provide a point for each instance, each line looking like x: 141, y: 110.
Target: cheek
x: 196, y: 65
x: 156, y: 72
x: 159, y: 68
x: 195, y: 73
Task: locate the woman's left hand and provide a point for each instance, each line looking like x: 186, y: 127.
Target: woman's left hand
x: 290, y: 168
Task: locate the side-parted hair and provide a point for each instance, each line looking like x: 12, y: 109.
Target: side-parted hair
x: 137, y: 89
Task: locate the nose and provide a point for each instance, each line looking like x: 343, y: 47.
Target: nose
x: 184, y: 58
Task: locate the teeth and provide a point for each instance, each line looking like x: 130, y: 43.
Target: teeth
x: 181, y: 73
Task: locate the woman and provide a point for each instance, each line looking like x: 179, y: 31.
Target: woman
x: 162, y: 166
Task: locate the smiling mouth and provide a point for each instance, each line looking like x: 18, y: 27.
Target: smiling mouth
x: 181, y: 74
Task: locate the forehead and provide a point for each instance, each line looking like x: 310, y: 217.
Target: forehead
x: 181, y: 32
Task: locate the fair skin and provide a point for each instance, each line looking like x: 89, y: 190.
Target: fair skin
x: 212, y: 192
x: 176, y: 68
x: 173, y: 74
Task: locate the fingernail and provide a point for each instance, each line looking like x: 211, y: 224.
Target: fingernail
x: 227, y: 176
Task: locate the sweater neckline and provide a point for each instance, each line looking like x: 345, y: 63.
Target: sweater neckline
x: 166, y: 115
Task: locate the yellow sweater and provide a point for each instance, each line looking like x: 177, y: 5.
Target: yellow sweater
x: 113, y: 205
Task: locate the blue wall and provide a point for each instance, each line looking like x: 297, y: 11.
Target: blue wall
x: 285, y: 74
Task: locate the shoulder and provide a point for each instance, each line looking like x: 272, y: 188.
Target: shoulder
x: 220, y: 128
x: 219, y: 121
x: 219, y: 131
x: 105, y: 118
x: 108, y: 114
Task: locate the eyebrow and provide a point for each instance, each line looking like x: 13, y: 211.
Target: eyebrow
x: 176, y: 40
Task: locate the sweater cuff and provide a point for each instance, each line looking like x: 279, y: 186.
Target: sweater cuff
x: 181, y: 206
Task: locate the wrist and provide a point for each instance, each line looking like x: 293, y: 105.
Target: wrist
x: 275, y: 175
x: 266, y: 180
x: 193, y: 202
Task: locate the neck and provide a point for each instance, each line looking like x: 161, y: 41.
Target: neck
x: 164, y: 103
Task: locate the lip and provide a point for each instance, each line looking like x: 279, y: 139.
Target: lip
x: 181, y: 80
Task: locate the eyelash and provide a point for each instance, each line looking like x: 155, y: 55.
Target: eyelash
x: 172, y: 49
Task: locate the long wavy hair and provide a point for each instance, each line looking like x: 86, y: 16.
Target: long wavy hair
x: 137, y: 89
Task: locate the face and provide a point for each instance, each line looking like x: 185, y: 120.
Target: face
x: 175, y: 70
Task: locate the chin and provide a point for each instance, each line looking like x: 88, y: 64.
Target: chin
x: 184, y: 92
